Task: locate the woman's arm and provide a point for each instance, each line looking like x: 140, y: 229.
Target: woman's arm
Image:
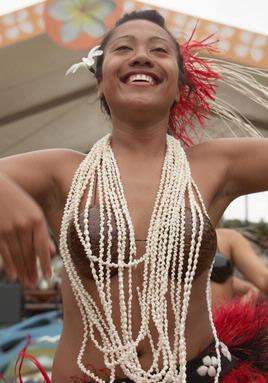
x: 224, y: 169
x: 246, y: 162
x: 247, y: 261
x: 227, y: 168
x: 30, y: 188
x: 242, y: 287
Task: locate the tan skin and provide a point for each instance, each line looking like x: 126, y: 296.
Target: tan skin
x: 238, y: 249
x: 37, y: 183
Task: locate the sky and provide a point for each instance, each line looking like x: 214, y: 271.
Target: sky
x: 257, y: 208
x: 7, y: 6
x: 245, y: 14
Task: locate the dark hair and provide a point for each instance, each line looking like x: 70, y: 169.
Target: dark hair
x: 154, y: 17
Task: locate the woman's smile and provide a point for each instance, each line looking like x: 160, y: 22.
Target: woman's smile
x: 135, y: 64
x: 141, y: 79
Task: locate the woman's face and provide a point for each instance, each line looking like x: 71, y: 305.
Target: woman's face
x: 140, y: 70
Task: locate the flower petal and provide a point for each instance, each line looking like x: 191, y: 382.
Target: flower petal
x: 74, y: 68
x: 202, y: 370
x: 69, y: 31
x: 98, y: 53
x: 212, y: 371
x: 95, y: 51
x: 94, y: 27
x: 257, y: 54
x: 214, y: 361
x: 60, y: 10
x: 102, y: 9
x: 89, y: 61
x: 206, y: 360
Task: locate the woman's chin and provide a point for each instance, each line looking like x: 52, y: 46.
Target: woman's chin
x: 139, y: 106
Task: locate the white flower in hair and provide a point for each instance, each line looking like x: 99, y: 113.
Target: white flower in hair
x: 87, y: 62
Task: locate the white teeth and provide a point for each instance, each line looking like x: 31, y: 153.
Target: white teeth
x: 141, y: 77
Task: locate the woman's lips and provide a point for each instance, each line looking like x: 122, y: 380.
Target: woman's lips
x: 140, y: 79
x: 140, y: 84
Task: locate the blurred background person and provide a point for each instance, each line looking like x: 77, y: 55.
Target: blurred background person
x: 235, y: 252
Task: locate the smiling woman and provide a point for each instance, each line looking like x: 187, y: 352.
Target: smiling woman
x: 135, y: 220
x: 162, y: 45
x: 118, y: 73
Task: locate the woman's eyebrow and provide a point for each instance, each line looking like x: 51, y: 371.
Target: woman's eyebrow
x: 132, y: 37
x: 159, y: 38
x: 121, y: 37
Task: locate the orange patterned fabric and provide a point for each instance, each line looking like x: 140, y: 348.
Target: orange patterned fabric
x: 239, y: 45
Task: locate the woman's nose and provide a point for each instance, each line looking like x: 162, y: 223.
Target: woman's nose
x: 141, y: 58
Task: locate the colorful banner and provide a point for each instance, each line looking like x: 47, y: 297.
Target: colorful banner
x: 80, y: 25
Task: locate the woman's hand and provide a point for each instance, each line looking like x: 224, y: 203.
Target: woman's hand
x: 252, y: 294
x: 245, y: 289
x: 23, y: 234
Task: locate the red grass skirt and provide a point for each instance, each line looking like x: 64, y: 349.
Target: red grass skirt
x: 243, y: 327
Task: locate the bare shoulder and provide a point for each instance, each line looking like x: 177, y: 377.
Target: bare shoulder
x: 68, y: 162
x: 228, y: 148
x: 47, y: 160
x: 213, y: 148
x: 62, y: 164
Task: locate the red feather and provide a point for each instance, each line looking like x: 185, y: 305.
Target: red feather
x: 243, y: 327
x: 194, y: 108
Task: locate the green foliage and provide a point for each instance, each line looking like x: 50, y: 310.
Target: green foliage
x: 261, y: 228
x: 234, y: 223
x: 258, y: 229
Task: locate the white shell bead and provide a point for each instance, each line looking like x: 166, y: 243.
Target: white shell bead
x: 202, y: 370
x: 206, y: 360
x: 211, y: 371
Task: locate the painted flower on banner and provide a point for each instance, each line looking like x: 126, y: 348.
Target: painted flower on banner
x: 81, y: 16
x: 251, y: 44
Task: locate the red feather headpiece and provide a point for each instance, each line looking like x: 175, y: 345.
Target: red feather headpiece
x: 193, y: 107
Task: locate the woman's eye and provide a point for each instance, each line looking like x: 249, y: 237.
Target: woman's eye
x: 159, y: 49
x: 123, y: 47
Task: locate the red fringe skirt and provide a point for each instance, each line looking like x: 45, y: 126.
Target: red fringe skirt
x: 243, y: 327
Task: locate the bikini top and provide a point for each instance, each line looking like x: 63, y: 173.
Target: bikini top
x: 222, y: 268
x: 207, y: 249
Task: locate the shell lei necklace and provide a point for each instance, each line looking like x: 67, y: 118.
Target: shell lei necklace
x: 165, y: 241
